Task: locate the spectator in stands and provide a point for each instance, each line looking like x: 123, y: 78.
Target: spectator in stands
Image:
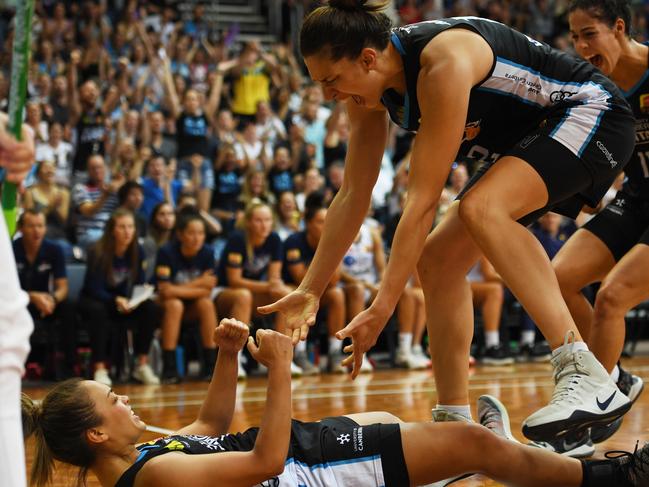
x: 127, y: 161
x: 41, y: 269
x: 94, y: 201
x: 227, y: 190
x: 409, y: 12
x: 160, y: 142
x: 252, y: 80
x: 160, y: 185
x: 226, y: 127
x: 488, y: 295
x: 185, y: 275
x: 255, y: 187
x: 419, y: 327
x: 362, y: 268
x: 287, y: 216
x: 34, y: 118
x: 53, y: 200
x: 268, y: 126
x: 280, y: 176
x: 458, y: 178
x: 187, y: 203
x: 161, y: 224
x: 86, y: 116
x: 337, y: 137
x: 411, y: 317
x: 313, y: 181
x: 159, y: 231
x: 131, y: 197
x: 116, y: 264
x: 335, y: 178
x: 192, y: 130
x: 59, y: 101
x: 252, y: 260
x: 58, y: 151
x: 256, y: 153
x: 299, y: 250
x: 314, y: 127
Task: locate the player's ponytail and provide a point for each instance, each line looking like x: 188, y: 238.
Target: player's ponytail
x: 343, y: 28
x: 59, y: 425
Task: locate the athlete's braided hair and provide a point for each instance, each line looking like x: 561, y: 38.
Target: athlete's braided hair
x: 343, y: 28
x: 607, y: 11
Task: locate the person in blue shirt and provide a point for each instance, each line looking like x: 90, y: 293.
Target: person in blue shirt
x: 299, y: 249
x: 227, y: 190
x: 159, y: 185
x: 42, y: 274
x: 185, y: 274
x: 116, y: 264
x: 280, y: 176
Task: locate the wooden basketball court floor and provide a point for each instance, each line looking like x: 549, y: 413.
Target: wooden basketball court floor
x: 523, y: 388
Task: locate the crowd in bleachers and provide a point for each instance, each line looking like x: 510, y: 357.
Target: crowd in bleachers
x: 171, y: 154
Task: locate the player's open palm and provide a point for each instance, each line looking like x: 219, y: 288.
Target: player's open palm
x: 300, y: 309
x: 363, y: 330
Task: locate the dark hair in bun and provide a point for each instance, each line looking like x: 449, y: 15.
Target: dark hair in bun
x: 343, y: 28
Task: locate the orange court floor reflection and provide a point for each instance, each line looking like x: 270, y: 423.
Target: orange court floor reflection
x: 523, y: 388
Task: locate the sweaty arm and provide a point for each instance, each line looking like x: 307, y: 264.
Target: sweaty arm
x: 451, y: 64
x: 369, y: 132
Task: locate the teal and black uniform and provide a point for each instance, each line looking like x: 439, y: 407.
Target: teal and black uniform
x: 625, y: 221
x: 551, y: 109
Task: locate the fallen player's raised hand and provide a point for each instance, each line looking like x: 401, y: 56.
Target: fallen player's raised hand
x: 230, y: 335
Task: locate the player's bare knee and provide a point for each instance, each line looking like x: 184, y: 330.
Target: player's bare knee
x: 608, y: 301
x: 472, y: 208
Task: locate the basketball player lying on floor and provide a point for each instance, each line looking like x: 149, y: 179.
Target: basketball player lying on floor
x: 85, y: 423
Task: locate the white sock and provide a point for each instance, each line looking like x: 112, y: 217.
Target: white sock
x: 300, y: 347
x: 575, y: 347
x: 334, y: 345
x: 528, y: 337
x: 615, y: 375
x: 461, y: 410
x: 492, y: 338
x: 12, y: 452
x: 417, y: 349
x: 405, y: 341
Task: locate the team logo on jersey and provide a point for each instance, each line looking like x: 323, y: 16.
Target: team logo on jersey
x: 560, y: 95
x: 471, y: 130
x: 644, y: 103
x: 235, y: 258
x: 343, y: 438
x: 163, y: 271
x: 293, y: 254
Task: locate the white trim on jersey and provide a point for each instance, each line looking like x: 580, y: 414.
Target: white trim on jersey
x: 533, y: 88
x: 355, y: 471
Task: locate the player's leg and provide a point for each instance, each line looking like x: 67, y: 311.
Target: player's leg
x: 583, y: 259
x: 448, y: 255
x: 624, y: 287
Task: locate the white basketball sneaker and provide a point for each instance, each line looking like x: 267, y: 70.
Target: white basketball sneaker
x: 584, y: 395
